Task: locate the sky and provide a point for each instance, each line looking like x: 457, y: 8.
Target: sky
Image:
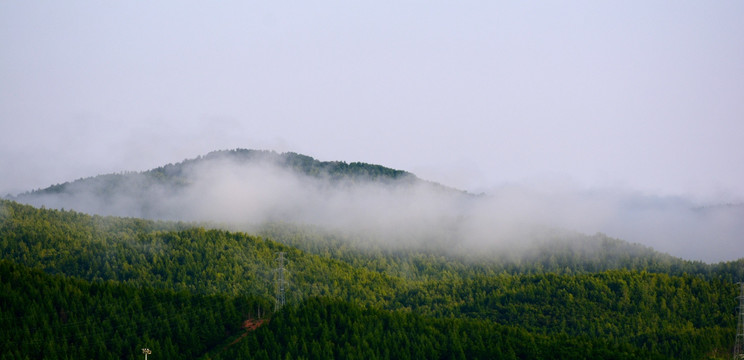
x: 646, y: 96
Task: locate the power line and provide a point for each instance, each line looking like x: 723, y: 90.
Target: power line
x: 738, y: 347
x: 280, y: 280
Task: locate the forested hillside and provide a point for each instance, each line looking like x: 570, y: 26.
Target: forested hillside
x: 174, y: 256
x: 351, y: 303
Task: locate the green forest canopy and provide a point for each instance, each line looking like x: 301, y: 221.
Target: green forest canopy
x: 371, y: 303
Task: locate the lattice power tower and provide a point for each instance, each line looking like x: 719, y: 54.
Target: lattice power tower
x: 280, y: 281
x: 739, y: 345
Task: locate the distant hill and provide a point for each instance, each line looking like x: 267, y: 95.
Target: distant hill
x: 180, y: 174
x: 165, y: 192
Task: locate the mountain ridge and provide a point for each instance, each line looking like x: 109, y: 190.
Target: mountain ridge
x: 263, y: 183
x: 336, y: 170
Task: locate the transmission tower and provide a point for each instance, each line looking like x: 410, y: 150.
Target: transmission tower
x: 280, y: 281
x: 739, y: 346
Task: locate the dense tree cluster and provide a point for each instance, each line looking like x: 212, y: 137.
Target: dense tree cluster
x: 113, y: 285
x: 60, y: 317
x: 327, y: 329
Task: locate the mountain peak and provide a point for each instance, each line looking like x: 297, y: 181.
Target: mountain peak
x: 263, y: 183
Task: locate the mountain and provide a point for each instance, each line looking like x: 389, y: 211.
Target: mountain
x: 181, y: 175
x: 248, y: 190
x: 245, y: 188
x: 155, y: 193
x: 378, y: 264
x: 357, y: 212
x: 320, y: 205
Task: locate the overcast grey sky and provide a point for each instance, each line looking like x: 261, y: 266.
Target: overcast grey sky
x: 643, y: 95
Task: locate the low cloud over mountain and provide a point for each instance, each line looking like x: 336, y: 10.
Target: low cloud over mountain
x: 244, y: 188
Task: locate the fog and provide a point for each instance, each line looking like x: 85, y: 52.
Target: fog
x: 408, y: 212
x: 639, y: 103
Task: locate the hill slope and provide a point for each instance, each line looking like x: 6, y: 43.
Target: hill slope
x: 640, y: 314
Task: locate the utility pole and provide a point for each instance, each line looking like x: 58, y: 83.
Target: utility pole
x: 279, y: 280
x: 739, y: 346
x: 146, y: 351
